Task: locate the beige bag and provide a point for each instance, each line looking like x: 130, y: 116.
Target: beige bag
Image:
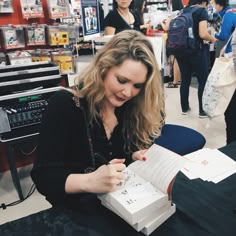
x: 220, y: 87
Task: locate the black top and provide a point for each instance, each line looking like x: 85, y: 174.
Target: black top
x: 198, y: 16
x: 177, y: 5
x: 64, y: 147
x: 114, y: 19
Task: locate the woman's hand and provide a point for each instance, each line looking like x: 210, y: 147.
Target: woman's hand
x: 147, y: 26
x: 165, y: 24
x: 139, y: 155
x: 107, y: 177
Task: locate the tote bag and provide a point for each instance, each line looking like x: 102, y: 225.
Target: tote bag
x: 220, y: 87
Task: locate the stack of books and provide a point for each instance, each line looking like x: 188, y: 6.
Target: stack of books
x: 143, y: 198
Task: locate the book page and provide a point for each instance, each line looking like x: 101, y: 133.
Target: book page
x: 135, y: 198
x: 160, y: 168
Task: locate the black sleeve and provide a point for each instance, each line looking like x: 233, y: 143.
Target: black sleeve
x: 202, y: 14
x: 110, y: 20
x: 50, y: 169
x: 137, y: 21
x: 198, y: 16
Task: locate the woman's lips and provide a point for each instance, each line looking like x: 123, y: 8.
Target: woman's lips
x: 120, y: 99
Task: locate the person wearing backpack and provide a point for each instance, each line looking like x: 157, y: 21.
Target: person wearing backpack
x: 186, y: 43
x: 228, y: 26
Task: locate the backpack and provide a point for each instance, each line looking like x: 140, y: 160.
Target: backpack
x: 181, y: 40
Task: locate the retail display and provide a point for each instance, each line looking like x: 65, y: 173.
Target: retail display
x: 35, y: 35
x: 90, y: 19
x: 6, y: 6
x: 41, y: 55
x: 63, y: 58
x: 58, y: 35
x: 58, y: 8
x: 13, y: 37
x: 60, y: 42
x: 19, y: 58
x: 31, y: 8
x: 158, y: 4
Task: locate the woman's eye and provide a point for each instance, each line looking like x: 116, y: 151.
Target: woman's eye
x: 138, y: 86
x: 121, y: 81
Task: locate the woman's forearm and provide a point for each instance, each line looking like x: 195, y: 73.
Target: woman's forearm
x: 77, y: 183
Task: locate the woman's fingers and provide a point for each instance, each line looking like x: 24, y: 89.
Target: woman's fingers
x: 139, y: 155
x: 116, y: 161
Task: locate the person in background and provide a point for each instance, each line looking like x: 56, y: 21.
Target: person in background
x: 88, y: 135
x: 198, y: 62
x: 175, y: 67
x: 138, y: 10
x: 177, y: 5
x: 228, y: 15
x: 101, y: 15
x: 228, y: 26
x: 120, y: 18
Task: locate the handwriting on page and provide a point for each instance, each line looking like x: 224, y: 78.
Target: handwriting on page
x: 134, y: 188
x: 160, y: 168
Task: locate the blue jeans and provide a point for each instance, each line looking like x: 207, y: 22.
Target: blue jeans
x: 198, y: 63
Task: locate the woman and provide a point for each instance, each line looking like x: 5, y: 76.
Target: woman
x: 120, y: 18
x: 138, y: 10
x: 112, y: 117
x: 198, y: 62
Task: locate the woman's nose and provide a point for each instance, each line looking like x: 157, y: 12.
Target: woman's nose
x: 127, y: 91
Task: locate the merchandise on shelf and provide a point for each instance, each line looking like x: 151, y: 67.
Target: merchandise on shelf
x: 157, y: 4
x: 83, y: 48
x: 35, y: 35
x: 13, y: 37
x: 41, y: 55
x: 58, y: 8
x: 58, y: 35
x: 64, y: 60
x: 19, y: 58
x: 75, y: 32
x: 31, y: 8
x: 6, y: 6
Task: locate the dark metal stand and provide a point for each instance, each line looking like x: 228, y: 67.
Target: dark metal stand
x: 9, y: 146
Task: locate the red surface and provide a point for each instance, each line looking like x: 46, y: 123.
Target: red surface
x: 185, y: 2
x: 16, y: 16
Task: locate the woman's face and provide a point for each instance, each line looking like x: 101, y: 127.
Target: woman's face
x: 123, y: 3
x: 124, y: 82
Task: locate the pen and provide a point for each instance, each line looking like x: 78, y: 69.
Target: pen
x: 100, y: 159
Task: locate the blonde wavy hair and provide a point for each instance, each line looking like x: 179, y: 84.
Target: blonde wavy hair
x: 144, y: 114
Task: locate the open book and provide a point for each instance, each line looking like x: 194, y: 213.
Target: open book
x: 142, y: 198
